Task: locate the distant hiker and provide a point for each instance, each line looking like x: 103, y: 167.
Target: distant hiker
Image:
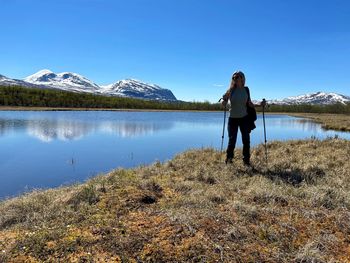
x: 242, y: 115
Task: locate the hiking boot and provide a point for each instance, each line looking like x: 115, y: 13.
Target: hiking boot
x: 228, y: 161
x: 246, y: 162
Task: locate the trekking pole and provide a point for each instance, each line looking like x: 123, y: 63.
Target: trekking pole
x: 264, y: 101
x: 223, y: 128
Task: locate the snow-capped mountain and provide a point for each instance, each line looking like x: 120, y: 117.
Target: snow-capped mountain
x: 313, y: 98
x: 137, y: 89
x: 76, y: 83
x: 65, y: 81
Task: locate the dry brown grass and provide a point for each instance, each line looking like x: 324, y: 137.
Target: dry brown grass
x: 194, y: 208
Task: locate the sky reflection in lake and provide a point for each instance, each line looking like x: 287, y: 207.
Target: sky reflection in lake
x: 47, y: 149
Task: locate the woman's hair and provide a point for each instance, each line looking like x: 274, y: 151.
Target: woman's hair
x: 228, y: 92
x: 241, y: 74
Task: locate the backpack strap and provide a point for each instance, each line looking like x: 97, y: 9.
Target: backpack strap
x: 247, y: 90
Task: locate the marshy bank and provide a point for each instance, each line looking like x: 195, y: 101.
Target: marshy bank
x: 194, y: 208
x: 338, y: 122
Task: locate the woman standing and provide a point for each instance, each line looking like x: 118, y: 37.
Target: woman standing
x: 239, y: 97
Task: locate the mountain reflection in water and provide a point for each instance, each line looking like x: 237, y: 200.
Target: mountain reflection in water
x: 49, y: 130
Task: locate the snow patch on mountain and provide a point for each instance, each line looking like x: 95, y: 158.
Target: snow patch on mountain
x: 137, y: 89
x: 65, y: 81
x: 39, y: 76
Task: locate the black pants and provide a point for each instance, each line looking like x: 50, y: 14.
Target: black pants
x: 233, y: 125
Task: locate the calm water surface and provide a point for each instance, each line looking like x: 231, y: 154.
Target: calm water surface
x: 48, y: 149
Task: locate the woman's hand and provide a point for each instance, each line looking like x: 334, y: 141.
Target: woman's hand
x: 225, y: 98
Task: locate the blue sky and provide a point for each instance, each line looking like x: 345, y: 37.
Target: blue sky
x: 192, y: 47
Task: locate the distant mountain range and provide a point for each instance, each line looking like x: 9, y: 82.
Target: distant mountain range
x: 68, y: 81
x: 319, y: 98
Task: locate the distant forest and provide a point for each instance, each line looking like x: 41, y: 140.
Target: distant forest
x: 20, y: 96
x: 33, y: 97
x: 307, y: 108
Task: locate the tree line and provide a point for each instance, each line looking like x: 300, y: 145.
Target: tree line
x: 33, y: 97
x: 308, y: 108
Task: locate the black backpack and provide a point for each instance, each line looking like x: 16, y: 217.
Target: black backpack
x: 251, y: 112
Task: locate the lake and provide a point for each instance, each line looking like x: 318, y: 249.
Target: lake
x: 41, y: 149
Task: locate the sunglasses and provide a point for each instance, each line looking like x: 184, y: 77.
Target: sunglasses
x: 236, y: 77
